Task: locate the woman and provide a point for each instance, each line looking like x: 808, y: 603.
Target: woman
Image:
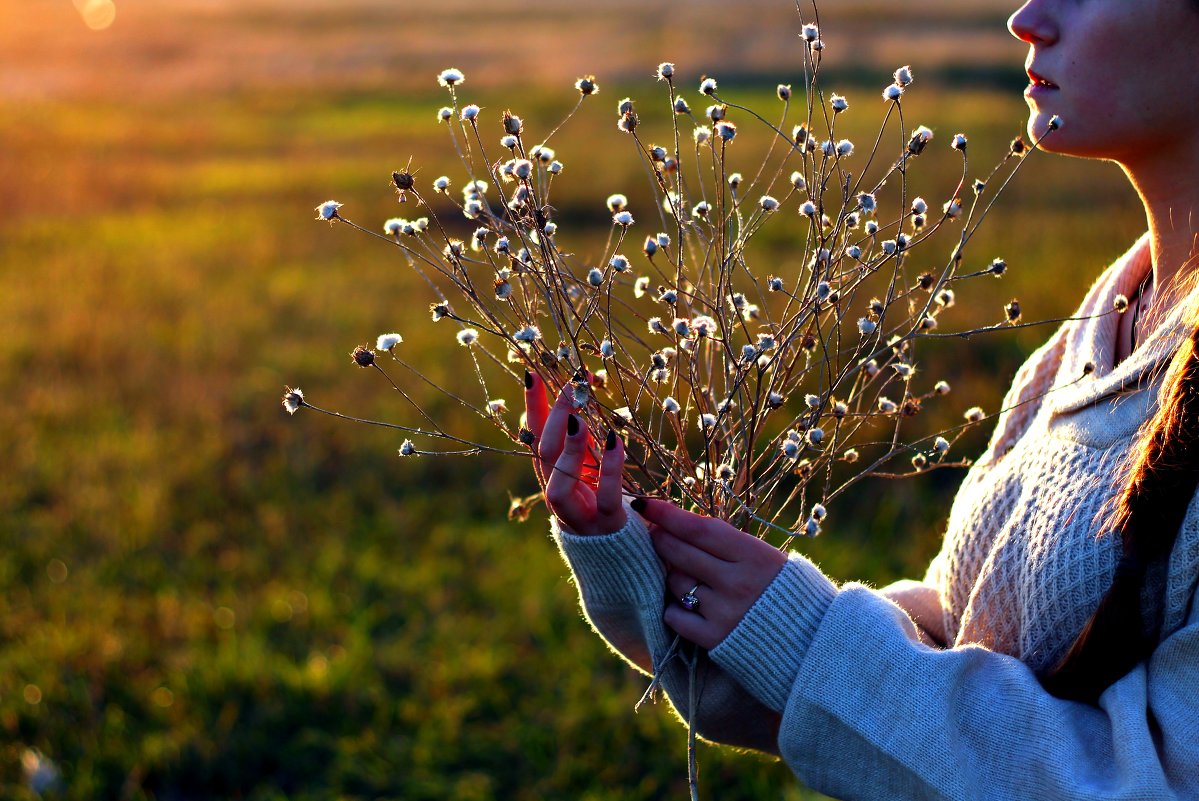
x: 1052, y: 650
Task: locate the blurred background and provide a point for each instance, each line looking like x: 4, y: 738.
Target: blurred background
x: 202, y: 598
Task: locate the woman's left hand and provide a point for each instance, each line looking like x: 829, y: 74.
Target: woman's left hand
x: 726, y: 569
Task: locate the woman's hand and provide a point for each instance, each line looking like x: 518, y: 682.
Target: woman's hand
x: 586, y: 502
x: 725, y: 570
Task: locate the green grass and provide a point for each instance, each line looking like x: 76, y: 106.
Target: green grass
x: 260, y: 607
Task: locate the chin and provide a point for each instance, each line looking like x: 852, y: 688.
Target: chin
x: 1053, y: 141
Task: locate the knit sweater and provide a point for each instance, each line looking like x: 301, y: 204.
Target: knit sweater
x: 840, y: 681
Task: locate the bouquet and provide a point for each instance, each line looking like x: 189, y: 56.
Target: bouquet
x: 758, y: 393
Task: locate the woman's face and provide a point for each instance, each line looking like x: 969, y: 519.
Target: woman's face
x: 1123, y: 75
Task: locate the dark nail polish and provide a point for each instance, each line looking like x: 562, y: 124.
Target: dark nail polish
x: 638, y: 505
x: 610, y: 443
x: 528, y: 380
x: 572, y: 425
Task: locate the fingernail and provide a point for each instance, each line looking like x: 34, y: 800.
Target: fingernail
x: 638, y: 505
x: 610, y: 443
x: 528, y: 380
x: 572, y: 425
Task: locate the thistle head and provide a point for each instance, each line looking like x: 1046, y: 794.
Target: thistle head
x: 587, y: 85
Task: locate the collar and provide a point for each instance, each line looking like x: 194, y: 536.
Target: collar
x: 1094, y: 339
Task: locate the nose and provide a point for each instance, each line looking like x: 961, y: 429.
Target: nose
x: 1033, y: 23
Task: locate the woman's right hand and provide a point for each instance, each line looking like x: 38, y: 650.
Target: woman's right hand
x: 583, y: 501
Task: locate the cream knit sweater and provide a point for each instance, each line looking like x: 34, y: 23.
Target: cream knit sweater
x: 838, y: 681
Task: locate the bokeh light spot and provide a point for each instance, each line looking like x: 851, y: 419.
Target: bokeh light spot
x: 57, y: 571
x: 97, y: 14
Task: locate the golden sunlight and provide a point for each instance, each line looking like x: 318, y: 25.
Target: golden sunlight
x: 97, y: 14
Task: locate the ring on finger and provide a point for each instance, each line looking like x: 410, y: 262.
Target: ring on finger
x: 689, y: 600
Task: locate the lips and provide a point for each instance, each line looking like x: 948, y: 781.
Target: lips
x: 1040, y: 80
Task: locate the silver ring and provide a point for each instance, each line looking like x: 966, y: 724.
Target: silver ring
x: 690, y: 600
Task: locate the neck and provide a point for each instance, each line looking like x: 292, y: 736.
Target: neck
x: 1169, y: 191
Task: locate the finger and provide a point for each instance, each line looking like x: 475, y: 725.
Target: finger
x: 564, y: 479
x: 554, y: 430
x: 679, y: 584
x: 687, y: 558
x: 708, y: 533
x: 537, y: 405
x: 691, y: 626
x: 609, y: 501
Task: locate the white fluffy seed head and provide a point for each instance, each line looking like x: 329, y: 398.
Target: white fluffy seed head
x: 595, y: 277
x: 470, y: 113
x: 665, y: 71
x: 388, y: 341
x: 707, y: 86
x: 451, y: 77
x: 941, y: 445
x: 798, y: 181
x: 903, y: 75
x: 328, y: 210
x: 768, y: 203
x: 866, y: 326
x: 974, y: 414
x: 941, y: 388
x: 838, y: 104
x: 467, y: 336
x: 893, y: 92
x: 623, y: 218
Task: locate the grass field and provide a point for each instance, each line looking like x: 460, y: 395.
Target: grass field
x: 200, y: 597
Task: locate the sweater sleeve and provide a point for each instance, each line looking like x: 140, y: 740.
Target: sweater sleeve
x: 621, y: 585
x: 869, y: 712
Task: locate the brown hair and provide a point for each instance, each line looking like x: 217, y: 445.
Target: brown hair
x: 1162, y: 478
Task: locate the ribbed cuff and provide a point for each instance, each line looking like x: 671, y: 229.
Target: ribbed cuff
x: 614, y: 568
x: 766, y: 649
